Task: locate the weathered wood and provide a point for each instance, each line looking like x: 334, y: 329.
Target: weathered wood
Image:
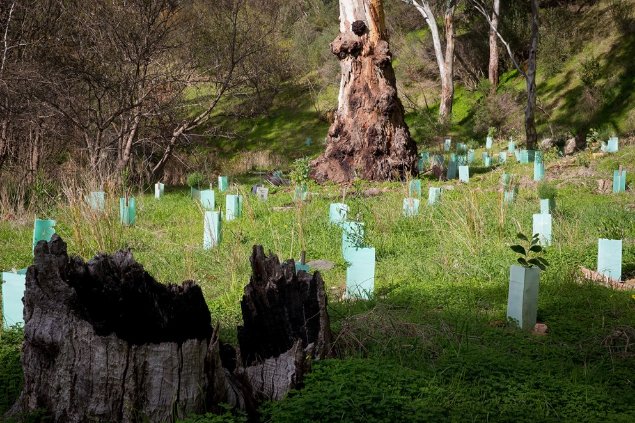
x: 105, y: 342
x: 369, y: 137
x: 285, y: 320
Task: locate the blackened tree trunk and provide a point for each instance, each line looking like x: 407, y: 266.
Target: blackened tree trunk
x: 105, y: 342
x: 493, y: 47
x: 530, y: 124
x: 369, y: 137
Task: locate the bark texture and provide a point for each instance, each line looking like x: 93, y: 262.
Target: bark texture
x: 105, y: 342
x: 285, y: 321
x: 493, y: 47
x: 369, y: 137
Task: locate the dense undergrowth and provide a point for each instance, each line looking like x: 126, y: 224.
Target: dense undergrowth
x: 433, y: 343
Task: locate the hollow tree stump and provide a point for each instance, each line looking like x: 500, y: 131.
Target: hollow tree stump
x: 285, y: 321
x: 105, y: 342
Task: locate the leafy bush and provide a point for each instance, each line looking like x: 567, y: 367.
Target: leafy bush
x: 530, y: 256
x: 195, y: 179
x: 590, y: 71
x: 10, y: 367
x: 547, y: 191
x: 299, y: 175
x: 502, y: 110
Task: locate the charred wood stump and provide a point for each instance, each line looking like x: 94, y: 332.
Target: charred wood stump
x: 104, y: 341
x: 285, y: 321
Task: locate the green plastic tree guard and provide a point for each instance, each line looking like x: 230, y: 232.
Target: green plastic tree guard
x: 208, y: 199
x: 43, y: 230
x: 308, y: 142
x: 434, y: 195
x: 511, y: 147
x: 211, y: 229
x: 424, y: 160
x: 502, y: 157
x: 159, y: 188
x: 464, y: 174
x: 195, y: 194
x: 538, y: 156
x: 447, y: 144
x: 360, y: 274
x: 127, y: 212
x: 233, y: 206
x: 523, y: 156
x: 301, y: 193
x: 470, y: 156
x: 489, y: 141
x: 487, y: 161
x: 619, y: 181
x: 223, y: 183
x: 611, y: 146
x: 522, y: 299
x: 411, y: 206
x: 352, y: 236
x: 610, y: 258
x: 547, y: 205
x: 542, y: 227
x: 262, y: 193
x: 452, y: 172
x: 414, y: 188
x: 461, y: 148
x: 338, y: 213
x: 539, y: 171
x: 96, y: 200
x: 13, y: 284
x: 509, y: 196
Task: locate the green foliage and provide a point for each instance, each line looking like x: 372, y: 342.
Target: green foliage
x: 195, y: 179
x: 227, y: 416
x: 299, y: 174
x: 431, y: 341
x: 590, y: 71
x: 358, y: 391
x: 10, y: 367
x: 613, y: 227
x: 531, y: 255
x: 547, y: 191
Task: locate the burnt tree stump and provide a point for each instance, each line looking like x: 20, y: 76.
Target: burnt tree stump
x: 104, y: 341
x: 285, y: 321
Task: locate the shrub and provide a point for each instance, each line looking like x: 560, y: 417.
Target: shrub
x: 547, y: 191
x: 195, y: 179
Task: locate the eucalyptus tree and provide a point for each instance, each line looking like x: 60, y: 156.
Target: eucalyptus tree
x: 531, y: 134
x: 444, y: 56
x: 369, y: 137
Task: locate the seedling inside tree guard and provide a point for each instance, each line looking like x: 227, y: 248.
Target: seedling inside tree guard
x: 532, y: 255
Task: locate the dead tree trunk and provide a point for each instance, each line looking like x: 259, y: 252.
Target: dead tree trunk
x: 105, y: 342
x: 369, y: 137
x: 285, y: 320
x: 493, y: 47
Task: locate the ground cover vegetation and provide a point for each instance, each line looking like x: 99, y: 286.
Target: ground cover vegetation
x: 433, y: 342
x: 243, y: 87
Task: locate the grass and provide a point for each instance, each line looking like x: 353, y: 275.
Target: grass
x: 433, y: 343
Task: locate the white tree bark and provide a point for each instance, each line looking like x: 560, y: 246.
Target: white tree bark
x: 493, y: 47
x: 445, y: 62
